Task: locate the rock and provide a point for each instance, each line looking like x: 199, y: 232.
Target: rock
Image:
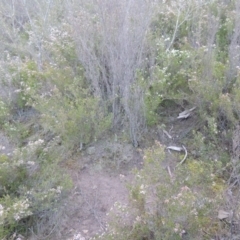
x: 91, y: 150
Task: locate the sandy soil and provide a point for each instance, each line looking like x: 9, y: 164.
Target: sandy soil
x: 99, y: 182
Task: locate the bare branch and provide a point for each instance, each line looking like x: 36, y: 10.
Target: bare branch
x: 185, y: 157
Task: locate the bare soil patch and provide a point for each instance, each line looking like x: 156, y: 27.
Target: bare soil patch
x: 100, y: 176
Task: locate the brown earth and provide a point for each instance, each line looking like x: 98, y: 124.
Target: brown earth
x: 100, y: 177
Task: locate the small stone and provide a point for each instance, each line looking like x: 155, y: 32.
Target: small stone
x: 91, y: 150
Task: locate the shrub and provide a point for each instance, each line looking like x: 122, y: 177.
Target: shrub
x: 32, y: 187
x: 168, y: 206
x: 169, y: 80
x: 62, y: 99
x: 73, y: 114
x: 4, y: 112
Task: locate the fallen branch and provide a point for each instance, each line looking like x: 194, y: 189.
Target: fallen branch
x: 185, y: 114
x: 185, y: 157
x: 168, y: 135
x: 169, y: 172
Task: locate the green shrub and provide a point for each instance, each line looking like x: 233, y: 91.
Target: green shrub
x: 4, y: 112
x: 26, y: 81
x: 32, y: 185
x: 12, y: 174
x: 64, y: 102
x: 169, y: 80
x: 73, y: 114
x: 168, y: 206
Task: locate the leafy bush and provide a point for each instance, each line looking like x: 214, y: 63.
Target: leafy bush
x: 169, y: 80
x: 31, y: 186
x: 4, y: 112
x: 73, y: 114
x: 168, y: 206
x: 61, y: 95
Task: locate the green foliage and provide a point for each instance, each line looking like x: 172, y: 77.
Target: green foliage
x: 63, y: 100
x: 26, y: 81
x: 17, y: 131
x: 153, y: 99
x: 4, y: 112
x: 31, y: 183
x: 73, y: 114
x: 186, y: 62
x: 169, y: 81
x: 11, y: 176
x: 223, y: 36
x: 12, y: 210
x: 208, y: 95
x: 165, y: 206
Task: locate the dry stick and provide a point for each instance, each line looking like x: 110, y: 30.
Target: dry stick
x: 169, y: 172
x: 166, y: 133
x: 185, y: 157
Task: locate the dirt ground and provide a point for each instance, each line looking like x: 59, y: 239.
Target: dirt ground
x: 100, y: 181
x: 94, y: 196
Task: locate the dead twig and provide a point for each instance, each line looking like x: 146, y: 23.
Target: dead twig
x: 185, y: 157
x: 185, y: 114
x: 169, y: 172
x: 167, y: 134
